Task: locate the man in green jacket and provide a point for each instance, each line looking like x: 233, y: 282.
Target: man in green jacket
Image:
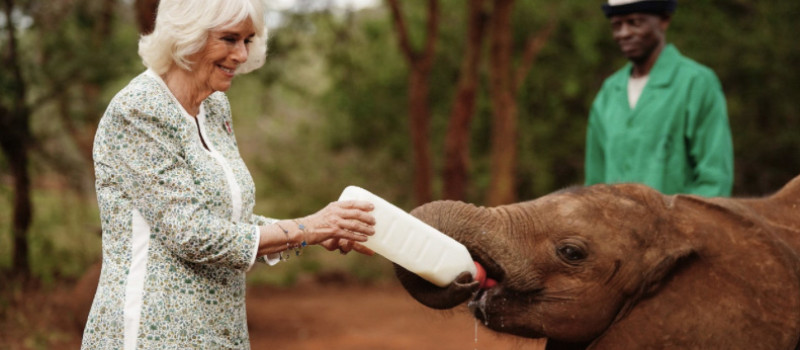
x: 661, y: 120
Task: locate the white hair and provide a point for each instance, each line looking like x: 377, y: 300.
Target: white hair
x: 182, y: 29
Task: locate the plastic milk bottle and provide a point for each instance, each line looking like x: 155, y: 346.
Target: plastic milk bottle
x: 411, y: 243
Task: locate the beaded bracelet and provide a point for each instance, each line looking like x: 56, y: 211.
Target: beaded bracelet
x: 288, y: 246
x: 299, y: 248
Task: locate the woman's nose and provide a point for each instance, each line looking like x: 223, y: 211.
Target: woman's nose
x: 240, y: 52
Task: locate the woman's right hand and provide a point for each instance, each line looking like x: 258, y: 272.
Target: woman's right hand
x: 340, y: 225
x: 340, y: 221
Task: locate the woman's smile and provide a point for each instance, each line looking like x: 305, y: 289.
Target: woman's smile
x: 227, y: 48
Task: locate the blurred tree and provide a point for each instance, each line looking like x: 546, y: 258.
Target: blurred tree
x: 504, y: 84
x: 146, y: 15
x: 420, y: 63
x: 455, y: 80
x: 362, y: 91
x: 15, y: 136
x: 752, y: 46
x: 60, y: 64
x: 505, y: 81
x: 65, y: 45
x: 456, y: 150
x: 504, y: 107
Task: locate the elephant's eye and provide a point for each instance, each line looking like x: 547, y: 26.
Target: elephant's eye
x: 571, y: 253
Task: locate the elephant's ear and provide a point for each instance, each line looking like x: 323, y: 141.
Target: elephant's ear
x: 673, y: 259
x: 669, y: 251
x: 723, y: 282
x: 679, y: 219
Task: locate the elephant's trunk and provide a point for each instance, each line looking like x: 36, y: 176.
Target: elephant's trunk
x: 452, y: 218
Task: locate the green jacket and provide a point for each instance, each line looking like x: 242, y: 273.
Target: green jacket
x: 677, y: 138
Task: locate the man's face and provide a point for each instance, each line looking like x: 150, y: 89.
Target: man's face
x: 638, y: 34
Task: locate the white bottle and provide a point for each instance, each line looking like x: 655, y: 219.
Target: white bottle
x: 411, y: 243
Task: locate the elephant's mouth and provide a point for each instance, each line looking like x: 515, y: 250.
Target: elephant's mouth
x: 498, y: 306
x: 498, y: 309
x: 493, y: 272
x: 493, y: 269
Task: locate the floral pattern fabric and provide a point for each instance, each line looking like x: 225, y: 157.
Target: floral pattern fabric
x: 178, y: 229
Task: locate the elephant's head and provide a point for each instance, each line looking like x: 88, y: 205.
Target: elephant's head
x: 567, y: 265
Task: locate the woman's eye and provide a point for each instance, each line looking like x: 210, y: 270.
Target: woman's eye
x: 571, y: 253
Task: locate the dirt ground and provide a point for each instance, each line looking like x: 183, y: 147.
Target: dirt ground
x: 361, y: 318
x: 311, y: 315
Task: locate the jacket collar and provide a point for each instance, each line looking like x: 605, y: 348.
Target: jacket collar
x: 662, y: 72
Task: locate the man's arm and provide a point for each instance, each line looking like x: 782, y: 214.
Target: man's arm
x: 595, y: 164
x: 709, y: 135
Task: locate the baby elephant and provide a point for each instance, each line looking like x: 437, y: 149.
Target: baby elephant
x: 625, y: 267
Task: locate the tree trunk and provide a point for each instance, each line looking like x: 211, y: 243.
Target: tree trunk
x: 535, y: 44
x: 456, y: 166
x: 505, y: 85
x: 146, y: 15
x: 14, y: 140
x: 420, y: 134
x: 502, y: 186
x: 420, y: 64
x: 105, y: 18
x: 23, y: 210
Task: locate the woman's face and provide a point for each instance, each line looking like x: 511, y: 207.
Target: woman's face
x: 225, y: 50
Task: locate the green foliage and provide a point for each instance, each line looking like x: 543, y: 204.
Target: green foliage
x: 65, y: 52
x: 64, y: 238
x: 366, y: 96
x: 554, y: 101
x: 752, y: 47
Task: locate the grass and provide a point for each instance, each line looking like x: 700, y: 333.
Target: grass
x: 64, y: 237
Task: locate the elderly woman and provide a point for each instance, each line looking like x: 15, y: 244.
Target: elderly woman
x: 176, y: 199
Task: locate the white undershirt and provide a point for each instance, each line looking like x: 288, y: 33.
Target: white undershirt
x: 635, y: 88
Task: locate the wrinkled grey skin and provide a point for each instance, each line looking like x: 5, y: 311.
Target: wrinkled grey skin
x: 625, y: 267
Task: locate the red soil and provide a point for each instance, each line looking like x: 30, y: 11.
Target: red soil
x: 309, y: 316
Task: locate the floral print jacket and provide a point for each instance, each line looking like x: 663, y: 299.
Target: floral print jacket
x: 178, y: 228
